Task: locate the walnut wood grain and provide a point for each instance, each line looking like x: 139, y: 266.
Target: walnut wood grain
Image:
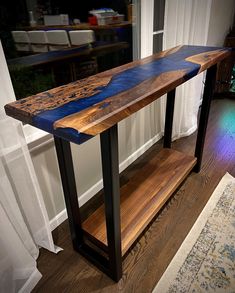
x: 91, y: 120
x: 61, y: 95
x: 64, y: 94
x: 143, y: 196
x: 81, y: 110
x: 212, y: 58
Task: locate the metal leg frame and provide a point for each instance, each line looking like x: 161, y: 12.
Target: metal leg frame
x: 70, y: 193
x: 110, y: 166
x: 205, y: 108
x: 112, y: 265
x: 170, y: 103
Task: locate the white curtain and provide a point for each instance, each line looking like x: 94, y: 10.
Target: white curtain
x: 24, y: 224
x: 186, y: 23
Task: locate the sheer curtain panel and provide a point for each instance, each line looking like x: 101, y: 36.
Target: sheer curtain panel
x: 186, y: 23
x: 24, y: 224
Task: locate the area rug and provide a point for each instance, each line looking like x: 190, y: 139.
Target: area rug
x: 205, y: 262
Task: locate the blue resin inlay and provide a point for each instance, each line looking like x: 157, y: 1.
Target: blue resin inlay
x: 120, y: 82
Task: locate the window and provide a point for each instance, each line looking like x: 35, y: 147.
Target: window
x: 31, y: 30
x: 158, y: 25
x: 152, y: 26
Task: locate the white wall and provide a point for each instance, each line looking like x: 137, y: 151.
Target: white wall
x: 222, y: 12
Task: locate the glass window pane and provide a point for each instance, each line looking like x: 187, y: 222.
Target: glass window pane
x: 40, y: 58
x: 157, y: 42
x: 159, y: 10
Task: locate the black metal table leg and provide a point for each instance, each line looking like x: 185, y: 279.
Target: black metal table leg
x: 170, y: 103
x: 205, y: 109
x: 110, y: 167
x: 70, y: 193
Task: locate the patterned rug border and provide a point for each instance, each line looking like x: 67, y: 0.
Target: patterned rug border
x: 185, y: 248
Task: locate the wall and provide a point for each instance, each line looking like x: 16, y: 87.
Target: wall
x: 221, y: 20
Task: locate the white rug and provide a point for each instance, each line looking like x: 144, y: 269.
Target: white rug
x: 205, y: 262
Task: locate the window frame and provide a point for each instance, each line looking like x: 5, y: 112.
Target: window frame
x: 147, y: 27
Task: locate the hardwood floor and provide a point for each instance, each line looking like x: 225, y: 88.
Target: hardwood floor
x: 149, y: 257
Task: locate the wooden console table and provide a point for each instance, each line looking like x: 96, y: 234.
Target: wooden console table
x: 80, y: 110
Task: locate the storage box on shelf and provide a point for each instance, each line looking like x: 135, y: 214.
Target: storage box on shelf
x: 105, y: 16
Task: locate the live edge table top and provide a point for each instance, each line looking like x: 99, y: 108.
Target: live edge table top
x: 84, y: 108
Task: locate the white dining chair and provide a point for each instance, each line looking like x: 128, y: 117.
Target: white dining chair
x: 81, y: 37
x: 38, y: 40
x: 57, y: 40
x: 21, y: 41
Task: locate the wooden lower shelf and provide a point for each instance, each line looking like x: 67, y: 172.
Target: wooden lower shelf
x: 143, y: 196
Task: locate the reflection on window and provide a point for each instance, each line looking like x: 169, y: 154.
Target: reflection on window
x: 48, y: 43
x: 157, y: 42
x: 232, y: 82
x: 159, y: 10
x: 158, y: 25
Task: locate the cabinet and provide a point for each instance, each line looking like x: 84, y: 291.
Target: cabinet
x: 225, y: 70
x: 85, y: 108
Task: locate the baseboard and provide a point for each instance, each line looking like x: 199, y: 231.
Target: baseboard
x: 62, y: 216
x: 58, y: 219
x: 139, y: 152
